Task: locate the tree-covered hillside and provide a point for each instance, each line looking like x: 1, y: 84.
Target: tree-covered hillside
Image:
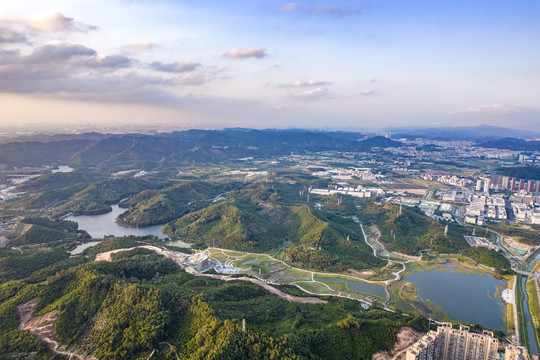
x: 411, y: 231
x: 142, y: 303
x: 312, y: 239
x: 151, y: 207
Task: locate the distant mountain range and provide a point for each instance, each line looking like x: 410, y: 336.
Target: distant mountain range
x: 470, y: 133
x: 183, y: 147
x: 512, y: 144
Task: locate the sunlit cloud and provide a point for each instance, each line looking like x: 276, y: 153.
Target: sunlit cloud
x: 495, y: 109
x: 368, y: 92
x: 309, y: 95
x: 55, y: 22
x: 139, y: 47
x: 254, y: 52
x: 310, y: 83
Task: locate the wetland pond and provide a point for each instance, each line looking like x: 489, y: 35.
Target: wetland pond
x: 468, y: 297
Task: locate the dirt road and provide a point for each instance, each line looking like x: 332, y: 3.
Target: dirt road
x: 106, y: 256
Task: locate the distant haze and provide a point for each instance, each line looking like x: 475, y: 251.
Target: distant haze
x: 214, y: 64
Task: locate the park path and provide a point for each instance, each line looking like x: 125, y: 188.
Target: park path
x: 176, y: 257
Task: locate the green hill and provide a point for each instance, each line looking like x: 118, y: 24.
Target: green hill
x: 233, y: 224
x: 325, y: 241
x: 151, y: 207
x: 526, y: 172
x: 97, y: 198
x: 317, y: 240
x: 411, y: 231
x: 46, y: 231
x: 141, y: 304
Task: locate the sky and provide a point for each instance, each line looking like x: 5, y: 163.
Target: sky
x: 266, y: 63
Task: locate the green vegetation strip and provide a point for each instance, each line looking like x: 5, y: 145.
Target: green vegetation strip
x: 534, y: 307
x: 522, y: 320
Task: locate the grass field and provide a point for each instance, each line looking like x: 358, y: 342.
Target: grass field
x: 534, y: 306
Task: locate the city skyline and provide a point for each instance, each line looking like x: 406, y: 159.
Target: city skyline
x: 270, y: 63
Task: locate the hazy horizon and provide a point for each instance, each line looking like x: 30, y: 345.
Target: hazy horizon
x: 269, y: 64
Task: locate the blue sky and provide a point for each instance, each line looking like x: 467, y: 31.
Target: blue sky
x: 267, y: 63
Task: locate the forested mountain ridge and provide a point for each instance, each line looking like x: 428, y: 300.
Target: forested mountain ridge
x: 181, y: 147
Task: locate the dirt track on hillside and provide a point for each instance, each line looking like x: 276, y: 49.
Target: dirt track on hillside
x: 405, y: 338
x: 42, y: 327
x: 106, y: 256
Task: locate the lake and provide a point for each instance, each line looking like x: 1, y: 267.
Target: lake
x: 80, y: 248
x: 98, y: 226
x: 463, y: 296
x: 359, y: 286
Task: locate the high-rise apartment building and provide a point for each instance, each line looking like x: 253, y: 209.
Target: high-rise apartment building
x: 453, y: 344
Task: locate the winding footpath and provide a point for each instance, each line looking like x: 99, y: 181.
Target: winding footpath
x: 177, y: 257
x: 397, y: 274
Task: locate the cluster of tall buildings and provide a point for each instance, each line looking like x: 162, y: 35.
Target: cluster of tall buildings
x: 533, y: 159
x: 485, y: 206
x: 502, y: 182
x: 457, y: 344
x: 447, y: 179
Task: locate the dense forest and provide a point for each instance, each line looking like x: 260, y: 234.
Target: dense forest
x: 151, y: 207
x: 320, y: 239
x: 488, y: 257
x: 142, y: 302
x: 411, y: 231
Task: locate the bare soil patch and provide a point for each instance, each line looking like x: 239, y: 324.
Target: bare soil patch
x: 516, y: 244
x: 360, y: 274
x: 406, y: 337
x: 42, y: 326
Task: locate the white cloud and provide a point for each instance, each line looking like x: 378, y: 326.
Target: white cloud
x: 236, y: 53
x: 289, y: 7
x: 310, y: 94
x: 11, y: 36
x: 174, y: 67
x: 191, y: 79
x: 495, y: 109
x: 310, y: 83
x: 57, y: 51
x: 56, y: 22
x: 139, y: 47
x: 368, y: 92
x: 109, y: 61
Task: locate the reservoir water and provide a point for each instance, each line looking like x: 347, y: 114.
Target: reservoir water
x: 359, y: 286
x: 79, y: 249
x: 98, y: 226
x: 473, y: 298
